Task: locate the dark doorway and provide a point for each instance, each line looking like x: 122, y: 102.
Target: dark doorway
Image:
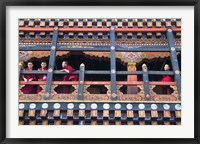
x: 91, y: 63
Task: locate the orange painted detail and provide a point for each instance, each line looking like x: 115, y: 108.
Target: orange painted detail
x: 131, y: 67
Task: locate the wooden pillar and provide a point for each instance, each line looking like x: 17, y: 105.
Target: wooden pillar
x: 21, y: 67
x: 132, y: 89
x: 145, y: 76
x: 174, y: 60
x: 81, y: 82
x: 52, y: 59
x: 113, y: 64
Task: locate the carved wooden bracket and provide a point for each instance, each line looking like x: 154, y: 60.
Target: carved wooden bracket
x: 20, y: 87
x: 108, y: 89
x: 151, y: 87
x: 85, y: 92
x: 118, y: 90
x: 43, y: 89
x: 141, y: 87
x: 175, y: 93
x: 53, y: 89
x: 75, y: 92
x: 131, y: 66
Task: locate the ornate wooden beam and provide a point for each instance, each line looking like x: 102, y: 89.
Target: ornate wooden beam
x: 100, y: 106
x: 100, y: 48
x: 96, y: 83
x: 39, y: 29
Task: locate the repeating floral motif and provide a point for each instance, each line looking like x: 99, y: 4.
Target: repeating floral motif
x: 125, y: 57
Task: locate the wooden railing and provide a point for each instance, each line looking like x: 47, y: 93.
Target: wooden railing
x: 87, y: 96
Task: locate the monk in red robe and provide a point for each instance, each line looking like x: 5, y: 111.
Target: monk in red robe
x: 42, y: 77
x: 166, y: 78
x: 28, y: 89
x: 68, y: 77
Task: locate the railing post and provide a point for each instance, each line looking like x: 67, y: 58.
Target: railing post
x: 174, y: 59
x: 146, y: 81
x: 51, y: 64
x: 113, y: 64
x: 21, y: 66
x: 81, y: 82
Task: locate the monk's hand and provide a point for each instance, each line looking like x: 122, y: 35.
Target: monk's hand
x: 30, y: 80
x: 44, y: 77
x: 25, y: 79
x: 62, y: 70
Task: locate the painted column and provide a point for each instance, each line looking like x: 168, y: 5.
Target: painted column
x: 52, y: 59
x: 131, y: 67
x: 113, y: 64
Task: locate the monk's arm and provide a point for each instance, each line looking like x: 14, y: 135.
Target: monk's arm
x: 65, y: 70
x: 70, y: 69
x: 24, y: 78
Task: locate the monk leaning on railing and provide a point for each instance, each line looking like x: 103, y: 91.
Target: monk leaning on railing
x: 68, y: 77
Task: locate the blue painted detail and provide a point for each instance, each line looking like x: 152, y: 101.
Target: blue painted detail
x: 134, y: 106
x: 51, y: 65
x: 98, y: 48
x: 113, y: 64
x: 174, y: 60
x: 81, y: 82
x: 146, y: 81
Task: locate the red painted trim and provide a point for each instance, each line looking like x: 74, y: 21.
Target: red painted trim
x: 98, y: 29
x: 96, y: 83
x: 84, y: 29
x: 35, y: 29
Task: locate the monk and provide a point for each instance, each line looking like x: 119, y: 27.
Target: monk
x: 28, y: 89
x: 166, y: 78
x: 67, y: 77
x: 42, y: 77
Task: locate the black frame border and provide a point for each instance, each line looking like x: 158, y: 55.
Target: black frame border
x: 5, y: 3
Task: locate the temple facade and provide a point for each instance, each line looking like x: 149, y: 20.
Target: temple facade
x: 107, y: 71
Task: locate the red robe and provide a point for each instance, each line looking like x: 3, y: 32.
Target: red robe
x: 68, y: 77
x: 29, y: 89
x: 166, y: 78
x: 166, y: 89
x: 41, y: 78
